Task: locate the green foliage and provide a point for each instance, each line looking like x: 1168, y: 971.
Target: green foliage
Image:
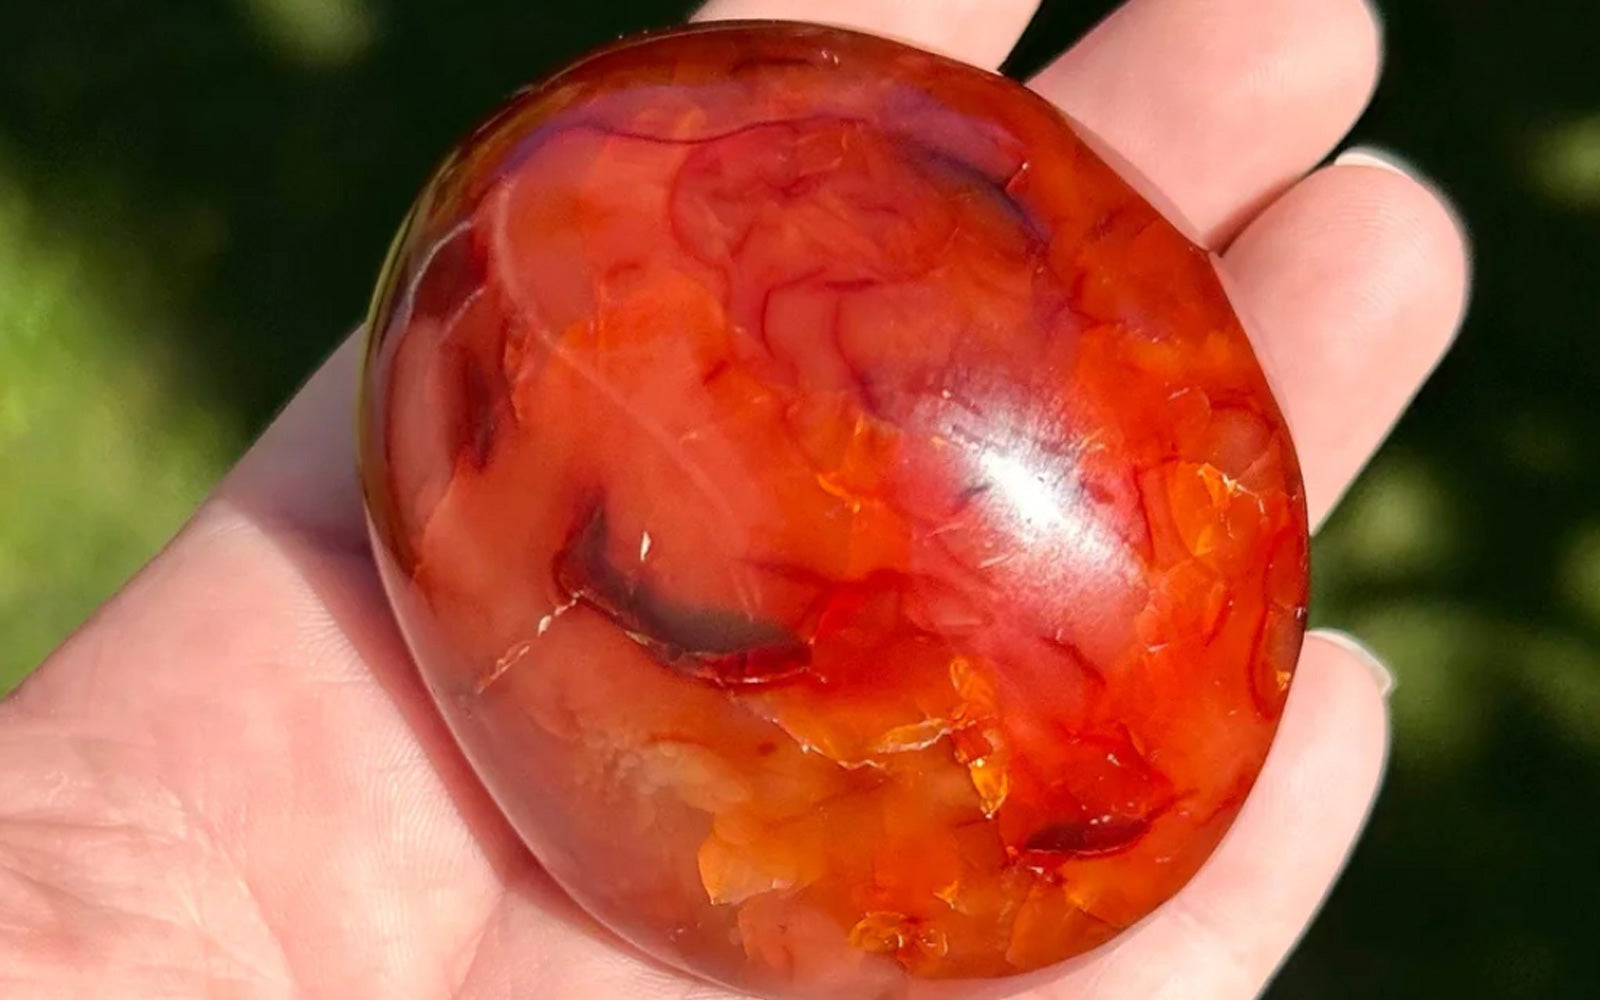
x: 106, y: 451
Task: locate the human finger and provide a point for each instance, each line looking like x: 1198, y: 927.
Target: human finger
x: 981, y: 32
x: 1226, y: 932
x: 1220, y: 104
x: 1355, y: 282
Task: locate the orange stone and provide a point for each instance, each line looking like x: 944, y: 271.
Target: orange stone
x: 842, y: 521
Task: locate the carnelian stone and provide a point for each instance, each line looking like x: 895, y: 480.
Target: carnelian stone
x: 843, y: 523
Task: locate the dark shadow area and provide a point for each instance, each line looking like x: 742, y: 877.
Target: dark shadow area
x: 272, y: 177
x: 1476, y: 877
x: 263, y: 178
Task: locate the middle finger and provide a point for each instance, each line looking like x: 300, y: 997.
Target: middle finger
x: 1220, y: 103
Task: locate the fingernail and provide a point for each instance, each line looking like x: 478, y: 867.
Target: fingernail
x: 1383, y: 159
x: 1355, y: 647
x: 1371, y: 156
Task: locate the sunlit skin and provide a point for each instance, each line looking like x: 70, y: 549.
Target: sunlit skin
x: 844, y: 523
x: 231, y: 781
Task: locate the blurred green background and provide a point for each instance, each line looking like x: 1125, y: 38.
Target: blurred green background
x: 194, y: 200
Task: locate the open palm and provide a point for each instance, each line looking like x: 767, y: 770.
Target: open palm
x: 229, y: 784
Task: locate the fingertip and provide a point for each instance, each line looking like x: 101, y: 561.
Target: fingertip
x: 1229, y: 929
x: 1359, y: 651
x: 1437, y: 212
x: 1357, y: 281
x: 1340, y: 675
x: 1336, y: 728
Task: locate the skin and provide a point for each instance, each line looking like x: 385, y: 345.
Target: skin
x: 229, y: 784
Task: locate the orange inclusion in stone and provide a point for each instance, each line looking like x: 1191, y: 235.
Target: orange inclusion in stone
x: 843, y: 523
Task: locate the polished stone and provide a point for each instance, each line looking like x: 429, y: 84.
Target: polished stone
x: 842, y: 521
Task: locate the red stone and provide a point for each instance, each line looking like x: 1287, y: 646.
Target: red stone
x: 843, y: 523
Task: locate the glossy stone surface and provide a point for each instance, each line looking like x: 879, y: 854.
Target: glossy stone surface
x: 843, y: 523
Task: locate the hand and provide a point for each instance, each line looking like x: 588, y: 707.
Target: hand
x: 230, y: 784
